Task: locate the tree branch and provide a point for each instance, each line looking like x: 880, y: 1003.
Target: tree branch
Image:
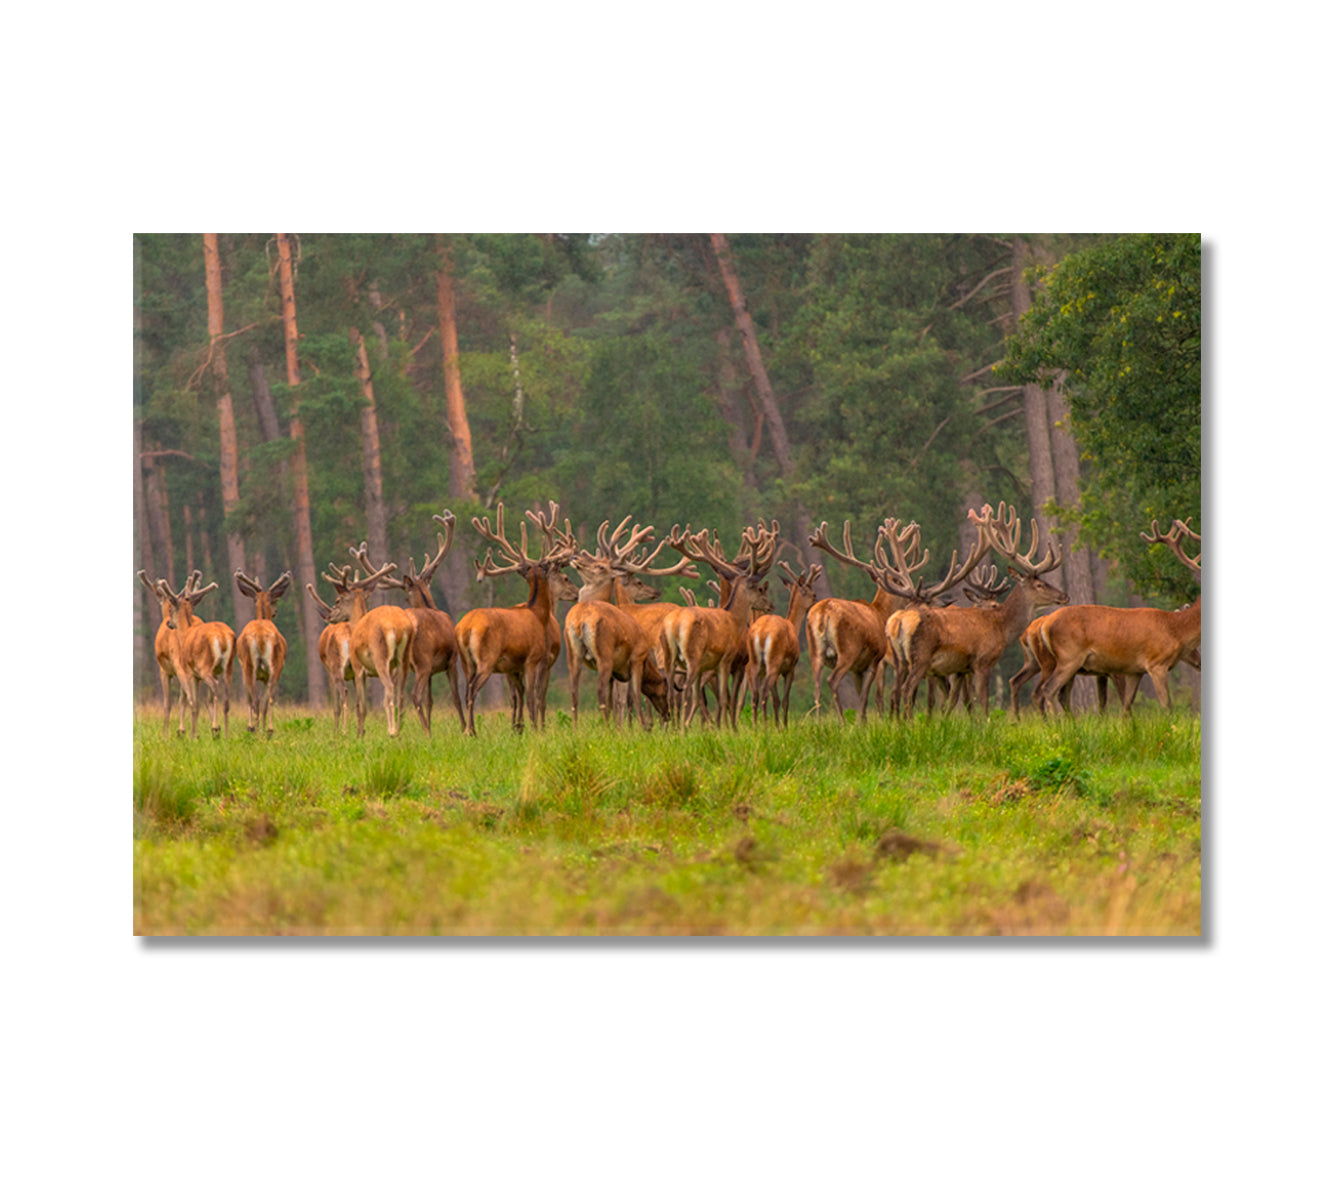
x: 981, y: 371
x: 985, y: 280
x: 917, y: 458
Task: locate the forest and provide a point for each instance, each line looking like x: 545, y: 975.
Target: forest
x: 298, y: 394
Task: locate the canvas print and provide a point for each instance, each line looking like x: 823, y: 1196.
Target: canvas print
x: 768, y: 584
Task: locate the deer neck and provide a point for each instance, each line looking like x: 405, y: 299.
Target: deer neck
x: 419, y: 595
x: 737, y: 605
x: 885, y: 602
x: 1185, y: 623
x: 797, y: 607
x: 264, y: 607
x: 539, y: 596
x: 607, y: 590
x: 1018, y: 609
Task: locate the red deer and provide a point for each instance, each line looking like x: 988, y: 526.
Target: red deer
x: 706, y: 639
x: 380, y: 642
x: 560, y: 587
x: 206, y: 650
x: 513, y: 642
x: 895, y: 574
x: 774, y: 647
x: 850, y: 634
x: 761, y: 605
x: 261, y: 649
x: 434, y: 647
x: 1125, y: 641
x: 955, y: 641
x: 335, y: 649
x: 601, y: 630
x: 166, y: 651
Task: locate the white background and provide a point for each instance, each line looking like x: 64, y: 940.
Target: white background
x: 665, y: 1069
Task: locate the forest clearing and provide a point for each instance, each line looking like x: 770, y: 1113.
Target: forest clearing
x: 727, y: 405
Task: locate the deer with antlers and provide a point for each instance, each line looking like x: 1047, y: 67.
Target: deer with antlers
x: 601, y: 630
x: 1133, y: 642
x: 894, y: 573
x: 850, y: 635
x: 773, y: 644
x: 380, y: 641
x: 707, y: 639
x: 515, y: 642
x: 335, y: 650
x: 166, y: 650
x: 261, y: 649
x: 203, y: 651
x: 434, y: 646
x: 957, y: 641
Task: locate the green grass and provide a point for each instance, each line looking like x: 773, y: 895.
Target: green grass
x: 944, y: 826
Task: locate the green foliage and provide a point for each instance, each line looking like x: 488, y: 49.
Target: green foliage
x: 1121, y: 323
x: 636, y: 397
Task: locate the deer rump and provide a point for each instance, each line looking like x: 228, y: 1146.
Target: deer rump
x: 601, y: 633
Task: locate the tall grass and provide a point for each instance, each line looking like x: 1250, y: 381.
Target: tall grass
x: 941, y: 825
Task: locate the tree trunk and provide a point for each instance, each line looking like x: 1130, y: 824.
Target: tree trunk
x: 462, y: 471
x: 777, y: 429
x: 307, y: 614
x: 227, y: 456
x: 159, y: 520
x: 729, y: 405
x: 1040, y: 466
x: 1054, y: 463
x: 377, y: 532
x: 144, y: 560
x: 265, y: 411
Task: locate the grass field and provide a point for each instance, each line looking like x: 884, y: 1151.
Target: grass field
x: 943, y: 826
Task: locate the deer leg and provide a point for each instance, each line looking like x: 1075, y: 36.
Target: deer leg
x: 576, y: 669
x: 359, y: 682
x: 1121, y: 684
x: 451, y: 673
x: 166, y: 702
x: 1061, y: 675
x: 1129, y: 692
x: 604, y: 692
x: 1158, y: 674
x: 1021, y: 677
x: 270, y: 704
x: 474, y: 686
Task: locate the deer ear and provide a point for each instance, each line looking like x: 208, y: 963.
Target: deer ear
x: 280, y: 586
x: 243, y: 585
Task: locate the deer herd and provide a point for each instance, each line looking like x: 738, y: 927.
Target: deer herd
x: 668, y: 656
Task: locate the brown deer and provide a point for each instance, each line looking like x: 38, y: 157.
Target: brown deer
x: 206, y: 650
x: 560, y: 586
x: 1133, y: 642
x: 955, y: 641
x: 261, y: 649
x: 761, y: 605
x: 706, y: 639
x: 601, y: 631
x: 335, y: 650
x: 167, y: 652
x: 434, y: 647
x: 380, y: 642
x: 774, y: 646
x: 514, y: 642
x: 895, y: 574
x: 850, y: 634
